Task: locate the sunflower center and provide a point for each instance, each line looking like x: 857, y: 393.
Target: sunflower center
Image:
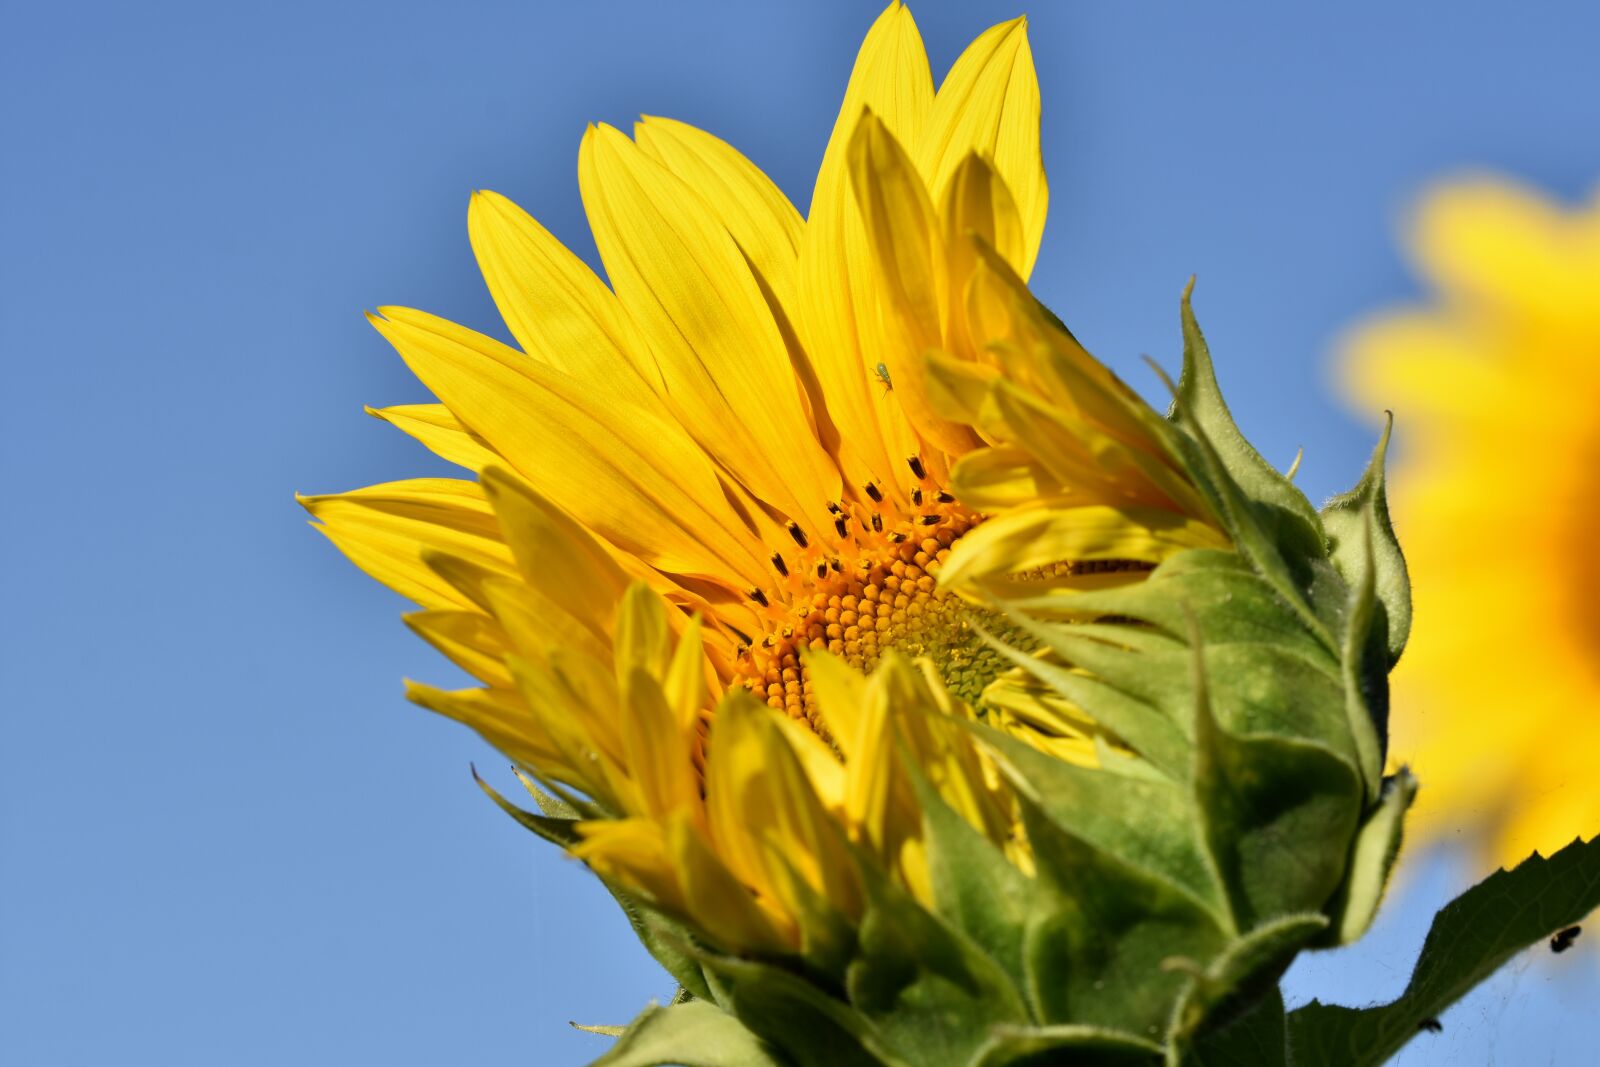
x: 872, y: 590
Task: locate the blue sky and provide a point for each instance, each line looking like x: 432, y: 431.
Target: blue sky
x: 224, y: 837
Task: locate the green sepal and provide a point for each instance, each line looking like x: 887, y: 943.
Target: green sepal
x: 695, y: 1033
x: 1470, y: 938
x: 1081, y: 1046
x: 1278, y: 812
x: 1148, y: 730
x: 1284, y: 510
x: 1231, y: 986
x: 550, y: 804
x: 1259, y: 689
x: 1095, y: 950
x: 1281, y: 565
x: 1231, y: 601
x: 1372, y: 857
x: 1366, y: 675
x: 794, y: 1013
x: 558, y: 831
x: 663, y: 938
x: 1149, y: 826
x: 1363, y: 514
x: 667, y: 941
x: 928, y: 991
x: 975, y: 888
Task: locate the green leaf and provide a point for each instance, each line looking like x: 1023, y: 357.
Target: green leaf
x: 1288, y: 515
x: 693, y: 1034
x: 1471, y: 937
x: 1256, y: 1037
x: 1361, y: 515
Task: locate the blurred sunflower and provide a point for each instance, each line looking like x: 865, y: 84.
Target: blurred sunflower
x: 734, y: 471
x: 1497, y: 497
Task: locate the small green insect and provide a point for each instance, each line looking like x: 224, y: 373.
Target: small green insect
x: 882, y: 373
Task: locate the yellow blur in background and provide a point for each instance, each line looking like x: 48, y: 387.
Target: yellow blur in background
x: 1495, y: 385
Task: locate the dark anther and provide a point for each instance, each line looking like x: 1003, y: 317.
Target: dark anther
x: 759, y: 597
x: 743, y: 637
x: 1564, y: 939
x: 915, y: 463
x: 781, y: 567
x: 798, y: 534
x: 877, y: 523
x: 897, y: 537
x: 834, y: 509
x: 928, y: 520
x: 842, y: 526
x: 916, y: 496
x: 822, y: 569
x: 874, y: 492
x: 838, y: 568
x: 945, y: 497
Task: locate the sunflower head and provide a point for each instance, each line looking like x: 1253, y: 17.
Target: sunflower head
x: 923, y: 695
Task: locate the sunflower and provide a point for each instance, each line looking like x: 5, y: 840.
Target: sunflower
x: 734, y: 512
x: 1498, y: 383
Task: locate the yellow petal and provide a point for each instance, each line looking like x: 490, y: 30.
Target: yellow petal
x: 472, y: 640
x: 892, y: 80
x: 658, y: 748
x: 907, y: 255
x: 719, y: 902
x: 497, y: 715
x: 633, y: 853
x: 760, y: 218
x: 555, y: 307
x: 642, y: 637
x: 1057, y: 530
x: 764, y: 812
x: 627, y: 472
x: 989, y: 105
x: 840, y: 691
x: 764, y: 224
x: 440, y: 431
x: 534, y: 624
x: 837, y: 301
x: 384, y: 530
x: 724, y: 363
x: 1512, y: 250
x: 976, y: 205
x: 556, y: 555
